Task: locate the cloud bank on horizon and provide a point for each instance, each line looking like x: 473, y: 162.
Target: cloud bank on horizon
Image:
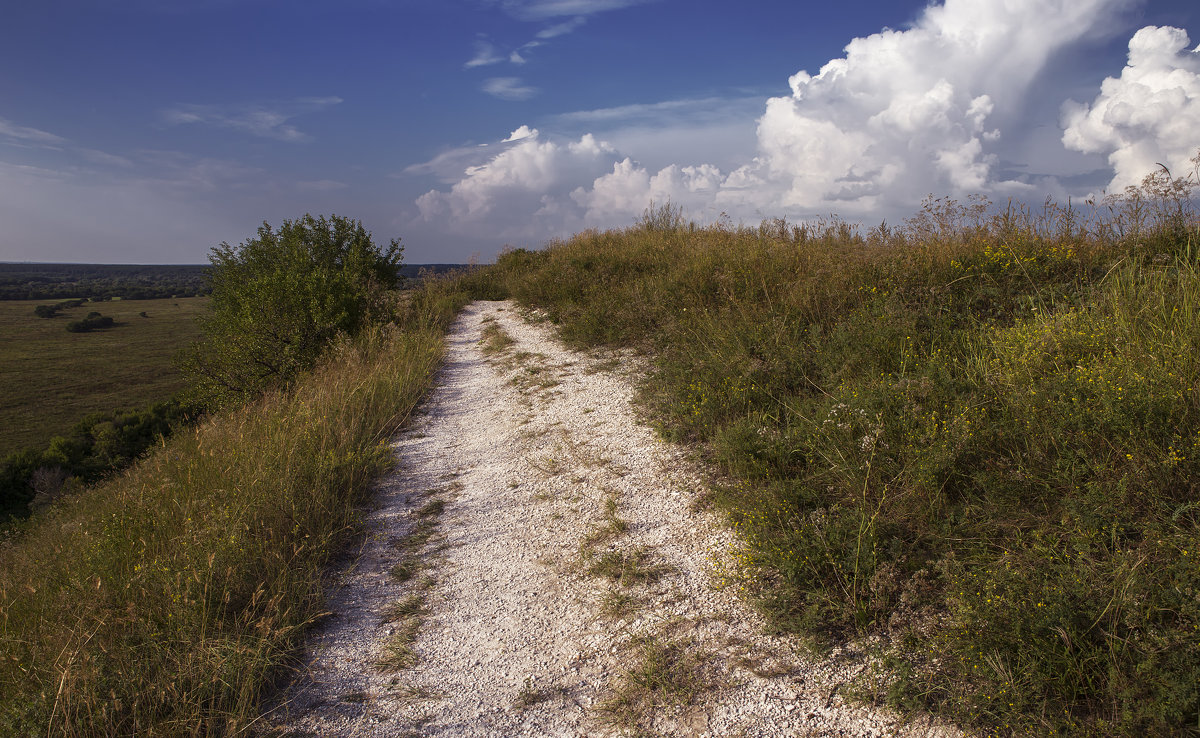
x: 937, y: 108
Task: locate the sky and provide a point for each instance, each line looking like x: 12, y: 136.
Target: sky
x: 150, y: 131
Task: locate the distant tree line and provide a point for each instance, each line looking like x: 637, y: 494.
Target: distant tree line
x: 133, y: 282
x: 99, y: 445
x: 101, y: 281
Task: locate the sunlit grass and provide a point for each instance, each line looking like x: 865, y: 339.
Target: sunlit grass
x: 978, y: 433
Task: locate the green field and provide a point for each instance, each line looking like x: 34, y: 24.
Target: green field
x: 53, y: 378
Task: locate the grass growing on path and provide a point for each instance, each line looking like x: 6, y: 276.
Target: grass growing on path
x: 977, y: 435
x: 166, y: 600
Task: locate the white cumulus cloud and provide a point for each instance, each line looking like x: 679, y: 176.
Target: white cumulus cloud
x: 941, y: 107
x: 628, y: 189
x: 520, y: 134
x: 1148, y: 115
x: 905, y: 113
x: 524, y: 188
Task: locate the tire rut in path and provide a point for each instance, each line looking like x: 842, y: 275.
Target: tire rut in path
x: 535, y: 567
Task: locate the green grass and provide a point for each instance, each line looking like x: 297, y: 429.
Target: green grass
x: 663, y: 674
x: 53, y: 379
x: 495, y: 340
x: 625, y: 568
x: 167, y: 600
x: 976, y: 434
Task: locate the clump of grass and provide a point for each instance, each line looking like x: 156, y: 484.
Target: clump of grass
x: 614, y: 527
x: 409, y: 606
x: 408, y: 567
x: 665, y: 674
x: 618, y: 603
x: 551, y: 466
x: 432, y: 509
x: 495, y: 339
x: 531, y: 695
x: 399, y: 650
x: 165, y: 600
x: 986, y: 419
x: 625, y: 568
x: 534, y: 377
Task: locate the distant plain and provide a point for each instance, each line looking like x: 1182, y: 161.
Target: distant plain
x: 54, y: 378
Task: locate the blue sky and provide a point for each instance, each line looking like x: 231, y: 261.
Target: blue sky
x: 148, y: 131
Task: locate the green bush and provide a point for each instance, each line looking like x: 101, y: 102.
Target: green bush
x: 279, y: 300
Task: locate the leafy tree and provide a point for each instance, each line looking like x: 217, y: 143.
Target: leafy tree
x: 93, y: 321
x: 278, y: 300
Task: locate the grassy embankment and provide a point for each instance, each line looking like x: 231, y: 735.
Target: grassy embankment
x: 53, y: 379
x: 164, y: 601
x: 977, y: 437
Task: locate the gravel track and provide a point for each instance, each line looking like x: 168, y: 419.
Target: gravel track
x: 558, y: 579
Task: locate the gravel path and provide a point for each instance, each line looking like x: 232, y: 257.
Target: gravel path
x: 536, y: 567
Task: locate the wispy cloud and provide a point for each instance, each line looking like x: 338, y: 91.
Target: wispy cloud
x: 104, y: 158
x: 321, y: 185
x: 508, y: 88
x: 185, y: 171
x: 701, y: 107
x: 542, y: 11
x: 562, y: 29
x: 536, y: 10
x: 12, y: 131
x: 69, y: 156
x: 267, y: 120
x: 488, y: 54
x: 485, y: 55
